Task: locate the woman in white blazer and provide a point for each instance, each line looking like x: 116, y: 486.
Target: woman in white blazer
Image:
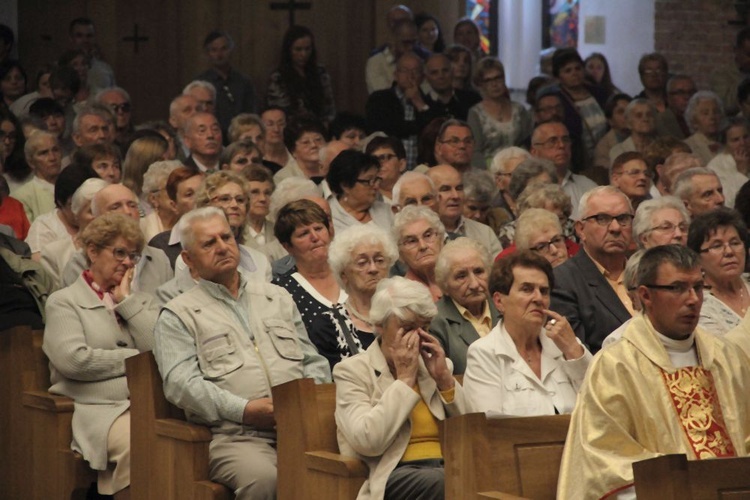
x: 390, y: 398
x: 92, y: 327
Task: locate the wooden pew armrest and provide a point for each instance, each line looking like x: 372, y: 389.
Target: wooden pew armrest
x: 182, y: 431
x: 333, y: 463
x: 43, y: 400
x: 499, y: 495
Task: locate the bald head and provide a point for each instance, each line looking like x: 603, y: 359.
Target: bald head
x: 115, y: 198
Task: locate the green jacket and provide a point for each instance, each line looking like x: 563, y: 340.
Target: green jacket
x: 33, y: 275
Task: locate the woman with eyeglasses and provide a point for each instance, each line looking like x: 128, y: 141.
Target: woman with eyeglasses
x: 354, y: 179
x: 419, y: 235
x: 531, y: 363
x: 720, y: 237
x: 390, y: 153
x: 360, y: 257
x: 240, y: 155
x: 661, y: 221
x: 231, y: 193
x: 304, y: 137
x: 496, y: 122
x: 92, y: 327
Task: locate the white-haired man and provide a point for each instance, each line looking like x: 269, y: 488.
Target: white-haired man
x: 152, y: 270
x: 118, y: 101
x: 700, y: 189
x: 231, y: 392
x: 204, y: 92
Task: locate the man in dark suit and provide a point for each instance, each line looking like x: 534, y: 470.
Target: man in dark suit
x: 589, y: 289
x: 203, y: 140
x: 402, y: 110
x: 447, y: 101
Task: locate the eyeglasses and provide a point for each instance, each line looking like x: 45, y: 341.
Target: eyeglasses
x: 718, y: 247
x: 121, y: 254
x: 379, y: 261
x: 124, y: 107
x: 553, y: 142
x: 370, y: 182
x: 680, y: 288
x: 494, y: 79
x: 411, y: 242
x: 7, y: 136
x: 605, y: 220
x: 668, y: 227
x: 635, y: 172
x: 455, y: 141
x: 245, y: 160
x: 385, y: 157
x: 546, y: 246
x: 226, y: 199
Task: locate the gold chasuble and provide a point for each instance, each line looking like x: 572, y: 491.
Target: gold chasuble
x: 635, y: 405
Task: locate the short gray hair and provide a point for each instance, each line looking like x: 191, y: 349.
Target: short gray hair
x: 103, y: 92
x: 583, y: 205
x: 157, y: 174
x: 527, y: 170
x: 503, y: 156
x: 407, y: 177
x: 398, y: 297
x: 99, y: 110
x: 32, y: 143
x: 630, y: 274
x: 412, y: 214
x: 639, y: 101
x: 647, y: 209
x: 292, y: 189
x: 459, y: 246
x: 342, y: 246
x: 683, y: 185
x: 702, y: 95
x: 479, y: 185
x: 200, y: 84
x: 530, y: 222
x: 85, y: 193
x: 188, y: 220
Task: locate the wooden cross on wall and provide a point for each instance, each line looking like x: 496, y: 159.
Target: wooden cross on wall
x: 292, y: 6
x: 135, y: 38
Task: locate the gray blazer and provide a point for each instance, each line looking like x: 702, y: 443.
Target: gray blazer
x: 456, y: 333
x: 155, y: 269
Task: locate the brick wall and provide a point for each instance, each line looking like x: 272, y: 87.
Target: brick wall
x: 695, y: 35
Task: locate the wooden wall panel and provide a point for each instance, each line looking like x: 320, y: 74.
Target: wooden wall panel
x: 345, y: 32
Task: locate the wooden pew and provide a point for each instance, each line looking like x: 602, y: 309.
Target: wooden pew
x: 503, y: 458
x: 674, y: 477
x: 16, y: 374
x: 169, y: 456
x: 56, y: 470
x: 310, y: 465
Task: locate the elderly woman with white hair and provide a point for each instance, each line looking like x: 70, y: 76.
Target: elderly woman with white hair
x: 56, y: 255
x: 420, y: 236
x: 390, y: 399
x: 663, y: 221
x: 164, y: 215
x: 44, y: 156
x: 479, y: 191
x: 465, y: 312
x: 704, y: 116
x: 640, y: 115
x: 502, y: 166
x: 359, y: 256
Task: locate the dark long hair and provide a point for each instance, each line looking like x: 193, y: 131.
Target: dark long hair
x: 15, y: 166
x: 309, y: 88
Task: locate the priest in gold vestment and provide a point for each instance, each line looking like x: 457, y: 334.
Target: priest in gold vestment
x: 665, y: 387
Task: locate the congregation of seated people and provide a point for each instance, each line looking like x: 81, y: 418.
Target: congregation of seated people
x: 581, y: 253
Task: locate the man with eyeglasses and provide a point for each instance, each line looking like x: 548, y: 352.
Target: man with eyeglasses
x: 203, y: 139
x: 118, y: 100
x: 590, y: 290
x: 653, y: 70
x: 631, y: 175
x: 671, y: 122
x: 454, y: 145
x: 551, y: 141
x: 222, y: 345
x: 235, y: 93
x: 153, y: 269
x: 667, y: 386
x: 401, y: 110
x: 700, y: 189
